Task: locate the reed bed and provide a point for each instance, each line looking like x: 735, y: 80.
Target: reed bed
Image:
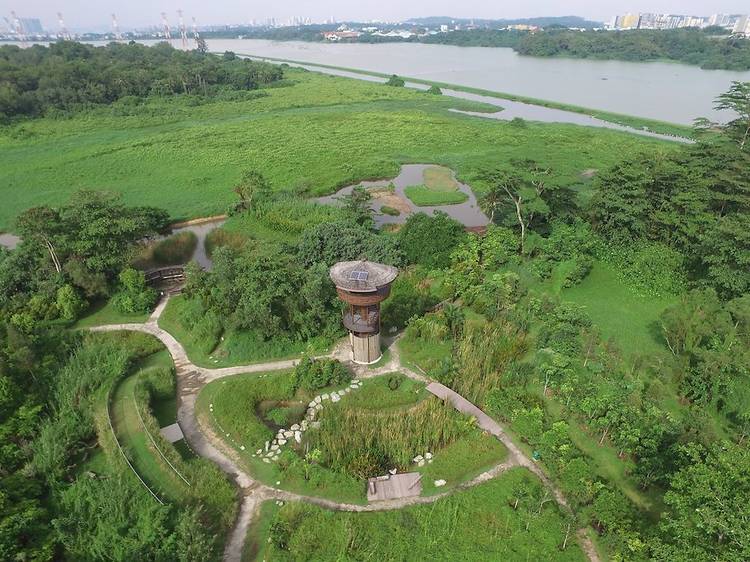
x: 366, y: 443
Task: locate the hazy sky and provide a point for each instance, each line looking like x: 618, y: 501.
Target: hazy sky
x: 87, y: 14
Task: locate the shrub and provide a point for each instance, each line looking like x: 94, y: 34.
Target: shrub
x: 134, y: 296
x: 435, y: 90
x: 314, y: 374
x: 395, y: 81
x: 429, y: 240
x: 69, y: 303
x: 386, y: 210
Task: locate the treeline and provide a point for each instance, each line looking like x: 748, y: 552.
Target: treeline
x: 690, y: 46
x: 69, y: 76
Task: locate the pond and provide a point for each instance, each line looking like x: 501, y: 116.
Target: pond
x: 201, y: 228
x: 468, y: 213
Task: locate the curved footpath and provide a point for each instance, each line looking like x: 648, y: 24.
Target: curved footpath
x: 204, y: 441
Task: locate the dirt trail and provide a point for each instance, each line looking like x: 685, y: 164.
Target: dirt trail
x: 201, y: 437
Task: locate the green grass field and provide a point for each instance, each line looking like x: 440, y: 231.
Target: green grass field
x: 423, y: 196
x: 186, y: 156
x: 476, y: 525
x: 631, y: 320
x: 103, y: 313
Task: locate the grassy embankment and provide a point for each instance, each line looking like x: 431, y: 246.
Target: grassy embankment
x: 655, y: 125
x: 142, y: 403
x: 246, y: 412
x: 477, y: 524
x: 195, y: 151
x: 439, y: 188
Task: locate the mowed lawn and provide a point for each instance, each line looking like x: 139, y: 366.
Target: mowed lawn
x: 630, y: 319
x: 315, y: 133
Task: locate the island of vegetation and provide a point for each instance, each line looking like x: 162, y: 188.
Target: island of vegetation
x: 597, y: 331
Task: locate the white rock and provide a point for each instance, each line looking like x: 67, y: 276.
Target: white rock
x: 259, y: 451
x: 298, y: 436
x: 288, y: 434
x: 278, y: 483
x: 418, y: 458
x: 347, y: 390
x: 324, y: 396
x: 335, y: 397
x: 304, y: 425
x: 266, y: 460
x: 420, y: 463
x: 352, y: 385
x: 341, y: 392
x: 393, y: 471
x: 295, y: 427
x: 242, y: 447
x: 318, y: 406
x: 282, y: 441
x: 439, y: 483
x: 428, y: 456
x: 267, y: 445
x: 318, y: 400
x: 429, y: 461
x: 315, y: 424
x: 312, y: 404
x: 274, y: 447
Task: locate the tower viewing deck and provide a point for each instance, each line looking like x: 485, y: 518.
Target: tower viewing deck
x: 363, y: 285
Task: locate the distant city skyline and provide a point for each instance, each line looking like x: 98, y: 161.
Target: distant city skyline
x: 80, y: 15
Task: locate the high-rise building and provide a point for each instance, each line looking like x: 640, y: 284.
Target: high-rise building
x: 32, y: 26
x: 628, y: 21
x: 742, y: 25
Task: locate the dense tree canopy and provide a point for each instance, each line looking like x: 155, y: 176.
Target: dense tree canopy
x: 69, y: 76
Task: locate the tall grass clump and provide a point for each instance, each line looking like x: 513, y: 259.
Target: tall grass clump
x: 366, y: 443
x: 483, y: 353
x: 176, y: 249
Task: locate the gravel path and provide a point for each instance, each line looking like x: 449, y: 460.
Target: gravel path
x: 203, y: 440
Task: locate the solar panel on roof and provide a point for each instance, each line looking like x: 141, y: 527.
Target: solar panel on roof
x: 358, y: 275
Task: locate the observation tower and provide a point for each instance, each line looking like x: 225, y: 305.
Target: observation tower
x: 363, y: 285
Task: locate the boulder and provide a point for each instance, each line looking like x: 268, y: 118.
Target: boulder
x: 275, y: 447
x: 440, y: 483
x: 288, y: 434
x: 282, y: 441
x: 428, y: 456
x: 295, y: 427
x: 335, y: 397
x: 418, y: 458
x: 298, y: 436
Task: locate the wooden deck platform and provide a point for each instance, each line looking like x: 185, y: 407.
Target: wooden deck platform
x: 394, y: 486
